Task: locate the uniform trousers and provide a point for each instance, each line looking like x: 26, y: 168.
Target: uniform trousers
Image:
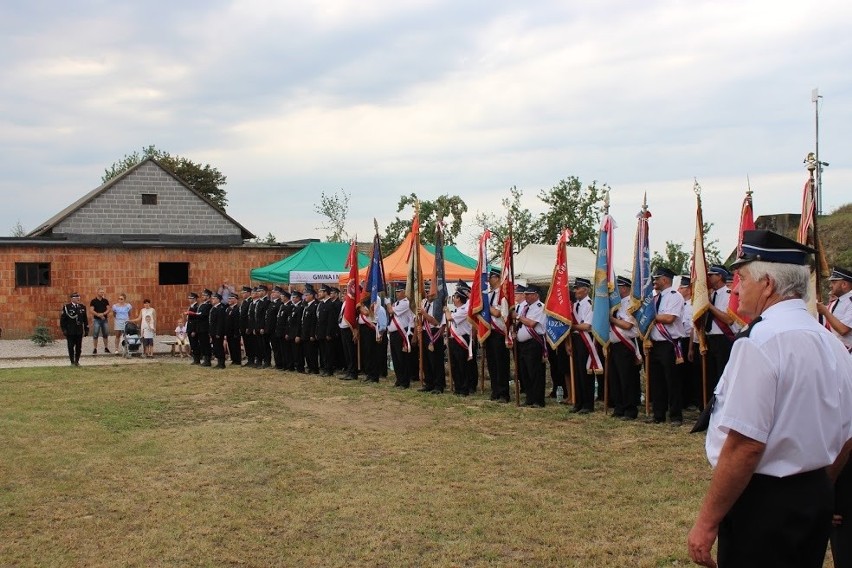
x: 584, y: 398
x: 778, y: 522
x: 204, y: 347
x: 841, y: 537
x: 371, y: 352
x: 497, y: 357
x: 194, y: 347
x: 690, y: 372
x: 401, y: 360
x: 218, y: 344
x: 75, y: 346
x: 531, y: 354
x: 311, y: 356
x: 234, y: 349
x: 666, y: 382
x: 718, y: 353
x: 623, y: 380
x: 559, y: 367
x: 435, y: 374
x: 265, y: 349
x: 463, y: 369
x: 277, y: 344
x: 248, y: 343
x: 350, y: 354
x: 298, y: 354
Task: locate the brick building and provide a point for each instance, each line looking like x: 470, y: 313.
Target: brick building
x: 144, y: 233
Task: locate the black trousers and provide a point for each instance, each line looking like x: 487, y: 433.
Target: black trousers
x: 718, y: 353
x: 75, y: 347
x: 249, y: 344
x: 235, y: 350
x: 666, y: 382
x: 277, y: 345
x: 463, y: 369
x: 841, y: 537
x: 401, y: 359
x: 778, y: 522
x: 584, y: 381
x: 204, y: 347
x: 194, y: 347
x: 264, y: 349
x: 690, y: 372
x: 286, y: 353
x: 298, y: 354
x: 531, y: 358
x: 435, y: 374
x: 311, y: 356
x: 350, y: 355
x: 218, y: 345
x: 497, y: 357
x: 623, y: 380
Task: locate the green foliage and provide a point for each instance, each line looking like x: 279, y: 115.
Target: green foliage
x: 524, y: 225
x: 206, y: 179
x: 335, y: 208
x: 41, y: 334
x: 836, y: 237
x: 448, y: 207
x: 571, y: 206
x: 675, y: 258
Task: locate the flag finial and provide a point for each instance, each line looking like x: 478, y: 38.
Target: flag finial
x: 605, y: 206
x: 696, y: 187
x: 748, y: 184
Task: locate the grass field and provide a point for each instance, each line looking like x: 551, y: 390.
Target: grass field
x: 170, y: 465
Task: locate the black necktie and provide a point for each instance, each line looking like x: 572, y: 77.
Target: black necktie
x: 708, y: 322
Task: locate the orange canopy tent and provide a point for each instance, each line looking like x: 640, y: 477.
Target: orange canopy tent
x: 396, y: 265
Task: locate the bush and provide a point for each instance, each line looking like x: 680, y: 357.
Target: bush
x: 41, y: 334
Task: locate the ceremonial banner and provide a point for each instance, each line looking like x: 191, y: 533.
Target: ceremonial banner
x: 558, y: 303
x: 439, y: 280
x: 642, y: 293
x: 353, y: 288
x: 746, y: 224
x: 607, y: 298
x: 479, y: 312
x: 376, y: 272
x: 507, y: 287
x: 808, y: 236
x: 414, y: 280
x: 698, y: 273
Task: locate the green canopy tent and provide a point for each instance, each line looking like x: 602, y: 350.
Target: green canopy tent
x: 454, y: 255
x: 316, y: 263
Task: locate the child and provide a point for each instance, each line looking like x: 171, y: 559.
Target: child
x: 148, y: 332
x: 182, y: 339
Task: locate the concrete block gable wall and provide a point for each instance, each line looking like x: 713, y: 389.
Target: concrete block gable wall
x: 119, y: 210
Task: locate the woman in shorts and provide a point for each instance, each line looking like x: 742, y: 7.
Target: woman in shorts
x: 121, y: 315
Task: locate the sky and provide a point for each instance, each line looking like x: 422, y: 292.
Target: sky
x: 293, y: 99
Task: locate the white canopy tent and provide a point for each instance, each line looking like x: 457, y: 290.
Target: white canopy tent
x: 534, y: 264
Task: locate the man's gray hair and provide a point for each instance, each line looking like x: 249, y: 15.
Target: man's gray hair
x: 791, y: 280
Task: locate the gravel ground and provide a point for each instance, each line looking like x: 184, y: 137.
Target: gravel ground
x: 17, y: 353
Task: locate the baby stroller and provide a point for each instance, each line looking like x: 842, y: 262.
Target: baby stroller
x: 131, y: 341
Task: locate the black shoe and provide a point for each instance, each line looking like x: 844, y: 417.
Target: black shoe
x: 95, y: 351
x: 194, y: 362
x: 206, y: 364
x: 264, y: 366
x: 584, y: 411
x: 574, y: 409
x: 676, y: 423
x: 652, y: 420
x: 504, y: 400
x: 106, y: 350
x: 437, y: 391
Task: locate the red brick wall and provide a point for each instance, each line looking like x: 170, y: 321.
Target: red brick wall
x: 134, y: 272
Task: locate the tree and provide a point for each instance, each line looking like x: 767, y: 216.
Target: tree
x: 206, y: 179
x: 445, y: 206
x: 17, y: 230
x: 269, y: 239
x: 335, y: 208
x: 524, y: 225
x: 571, y: 206
x: 676, y: 259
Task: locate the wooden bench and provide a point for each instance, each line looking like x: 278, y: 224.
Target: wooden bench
x: 173, y: 344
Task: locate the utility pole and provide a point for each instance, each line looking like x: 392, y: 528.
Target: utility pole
x: 815, y: 97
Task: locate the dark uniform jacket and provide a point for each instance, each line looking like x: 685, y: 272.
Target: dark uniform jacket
x: 336, y: 315
x: 192, y: 318
x: 233, y: 325
x: 262, y: 305
x: 245, y: 305
x: 73, y: 320
x: 202, y: 323
x: 309, y: 321
x: 271, y: 319
x: 324, y: 317
x: 216, y: 320
x: 283, y: 318
x: 294, y: 324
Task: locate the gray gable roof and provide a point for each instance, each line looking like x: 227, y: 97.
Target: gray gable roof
x: 115, y: 208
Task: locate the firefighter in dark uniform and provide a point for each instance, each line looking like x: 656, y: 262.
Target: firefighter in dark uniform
x: 283, y: 357
x: 263, y: 357
x: 432, y: 335
x: 217, y: 325
x: 309, y: 331
x: 245, y: 327
x: 324, y: 318
x: 233, y: 329
x: 271, y: 325
x: 202, y: 327
x: 191, y: 325
x: 75, y: 325
x: 294, y: 332
x: 336, y: 348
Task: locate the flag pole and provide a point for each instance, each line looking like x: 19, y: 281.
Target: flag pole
x: 646, y: 343
x: 812, y: 165
x: 510, y: 323
x: 606, y: 349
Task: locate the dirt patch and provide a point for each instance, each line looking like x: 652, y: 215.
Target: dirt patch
x: 381, y: 416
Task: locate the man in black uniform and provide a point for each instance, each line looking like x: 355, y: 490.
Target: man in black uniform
x: 191, y: 325
x: 496, y: 353
x: 283, y: 357
x: 432, y: 335
x: 232, y: 329
x: 202, y: 327
x: 336, y: 348
x: 309, y: 331
x: 75, y: 325
x: 217, y: 322
x: 294, y: 332
x: 324, y: 317
x: 245, y: 325
x: 271, y: 325
x: 263, y: 357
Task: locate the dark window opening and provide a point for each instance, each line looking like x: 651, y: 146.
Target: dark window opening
x: 174, y: 273
x: 149, y: 199
x: 32, y: 274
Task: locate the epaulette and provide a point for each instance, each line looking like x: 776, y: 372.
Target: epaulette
x: 746, y: 331
x: 728, y: 290
x: 672, y: 291
x: 538, y: 304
